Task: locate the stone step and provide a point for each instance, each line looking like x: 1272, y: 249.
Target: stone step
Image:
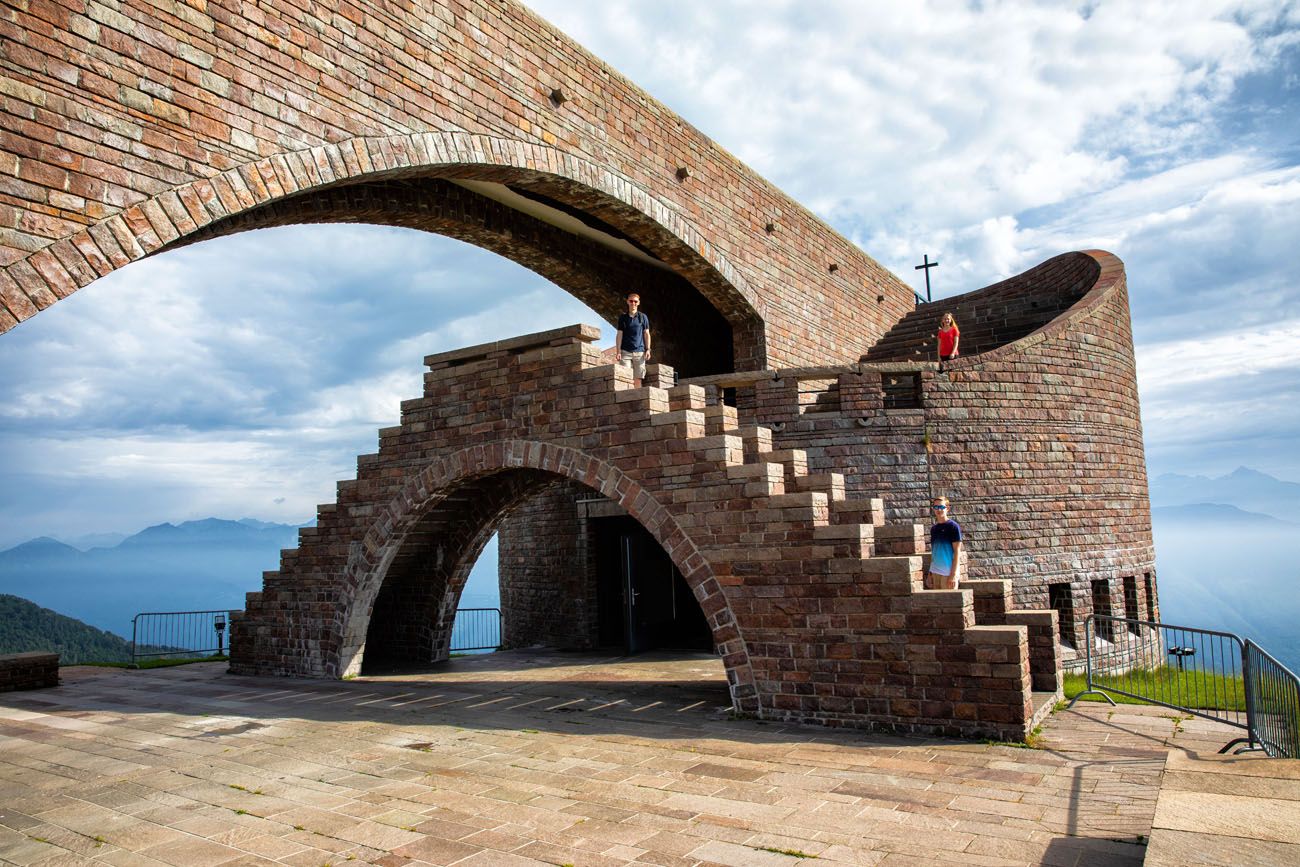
x: 725, y: 449
x: 674, y: 424
x: 795, y: 460
x: 901, y: 539
x: 860, y: 538
x: 806, y: 507
x: 897, y: 576
x: 870, y: 510
x: 655, y: 399
x: 761, y: 479
x: 758, y: 439
x: 831, y: 484
x: 719, y: 419
x: 687, y: 397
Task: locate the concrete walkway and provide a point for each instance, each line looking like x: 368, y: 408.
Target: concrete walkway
x: 515, y: 759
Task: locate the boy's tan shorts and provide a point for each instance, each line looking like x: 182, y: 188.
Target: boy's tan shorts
x: 935, y: 581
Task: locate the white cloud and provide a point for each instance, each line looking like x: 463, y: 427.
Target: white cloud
x: 1175, y: 364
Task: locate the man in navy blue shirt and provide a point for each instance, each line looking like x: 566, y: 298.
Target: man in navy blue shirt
x: 945, y: 548
x: 633, y: 344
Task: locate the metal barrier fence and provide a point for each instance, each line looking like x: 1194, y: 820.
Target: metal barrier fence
x: 476, y: 629
x: 193, y: 634
x: 178, y: 634
x: 1275, y: 703
x: 1215, y: 675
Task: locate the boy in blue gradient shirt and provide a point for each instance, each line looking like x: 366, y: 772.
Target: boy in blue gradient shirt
x: 945, y: 548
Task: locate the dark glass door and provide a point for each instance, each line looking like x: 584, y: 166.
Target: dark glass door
x: 643, y: 601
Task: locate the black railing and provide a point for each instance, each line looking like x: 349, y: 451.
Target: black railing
x: 1215, y: 675
x: 178, y: 635
x: 1275, y: 703
x: 195, y: 634
x: 476, y: 629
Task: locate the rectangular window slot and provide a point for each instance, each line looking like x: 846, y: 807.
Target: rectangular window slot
x: 902, y: 390
x: 1131, y: 611
x: 1060, y: 600
x: 1151, y: 596
x: 1101, y: 608
x: 819, y: 395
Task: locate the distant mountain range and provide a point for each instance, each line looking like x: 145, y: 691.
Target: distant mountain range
x: 1225, y: 515
x: 196, y: 565
x: 1247, y: 489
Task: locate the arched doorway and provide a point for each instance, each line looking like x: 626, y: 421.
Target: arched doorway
x: 405, y: 576
x: 620, y: 590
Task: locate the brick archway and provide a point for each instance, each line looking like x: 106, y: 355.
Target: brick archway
x: 352, y: 181
x: 464, y: 473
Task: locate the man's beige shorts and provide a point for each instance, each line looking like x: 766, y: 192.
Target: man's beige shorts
x: 637, y: 360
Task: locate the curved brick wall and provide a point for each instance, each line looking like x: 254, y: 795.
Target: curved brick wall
x: 1040, y: 444
x: 130, y: 126
x: 995, y: 315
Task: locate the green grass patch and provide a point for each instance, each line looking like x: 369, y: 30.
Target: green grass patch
x: 793, y: 853
x: 1032, y: 741
x: 1201, y: 690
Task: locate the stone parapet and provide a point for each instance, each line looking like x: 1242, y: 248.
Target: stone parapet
x: 32, y: 670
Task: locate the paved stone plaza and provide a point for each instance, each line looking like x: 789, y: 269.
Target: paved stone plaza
x: 513, y: 759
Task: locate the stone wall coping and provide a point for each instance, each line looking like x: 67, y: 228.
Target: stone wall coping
x: 743, y: 378
x: 28, y: 657
x: 554, y: 337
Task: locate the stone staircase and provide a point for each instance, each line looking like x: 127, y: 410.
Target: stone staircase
x: 850, y: 533
x: 815, y: 602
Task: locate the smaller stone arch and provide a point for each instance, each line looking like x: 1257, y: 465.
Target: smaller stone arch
x: 460, y: 472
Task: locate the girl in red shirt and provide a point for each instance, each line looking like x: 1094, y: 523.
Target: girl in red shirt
x: 949, y: 338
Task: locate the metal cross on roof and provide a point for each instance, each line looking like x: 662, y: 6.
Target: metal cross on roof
x: 926, y: 268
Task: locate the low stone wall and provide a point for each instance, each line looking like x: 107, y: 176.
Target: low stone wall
x: 32, y: 670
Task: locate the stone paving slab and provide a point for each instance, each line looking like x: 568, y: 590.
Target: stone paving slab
x: 536, y: 758
x: 1226, y: 810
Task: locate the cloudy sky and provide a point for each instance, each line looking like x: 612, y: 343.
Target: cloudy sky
x: 241, y: 377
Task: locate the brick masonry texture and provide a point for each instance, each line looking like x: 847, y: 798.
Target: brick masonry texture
x: 130, y: 126
x: 811, y: 620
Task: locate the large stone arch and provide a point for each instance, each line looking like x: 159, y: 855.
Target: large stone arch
x: 389, y: 181
x: 127, y: 128
x: 459, y: 473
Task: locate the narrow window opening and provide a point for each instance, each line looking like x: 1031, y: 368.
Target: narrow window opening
x: 1131, y: 612
x: 1105, y: 627
x: 1151, y: 596
x: 1060, y: 600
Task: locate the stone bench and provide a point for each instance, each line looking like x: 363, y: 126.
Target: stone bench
x: 33, y: 670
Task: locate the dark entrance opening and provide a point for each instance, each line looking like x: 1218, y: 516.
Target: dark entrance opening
x: 643, y: 602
